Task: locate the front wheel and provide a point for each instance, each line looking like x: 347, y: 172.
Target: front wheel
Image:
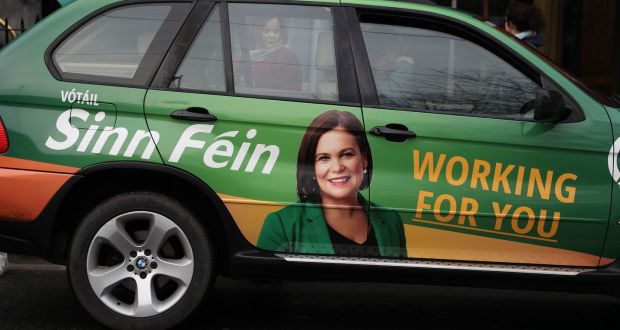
x: 140, y: 261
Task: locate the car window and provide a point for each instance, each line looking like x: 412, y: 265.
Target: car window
x: 283, y: 51
x: 203, y: 66
x: 122, y: 45
x: 425, y: 70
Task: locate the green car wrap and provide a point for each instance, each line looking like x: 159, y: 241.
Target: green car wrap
x: 537, y: 201
x: 458, y: 188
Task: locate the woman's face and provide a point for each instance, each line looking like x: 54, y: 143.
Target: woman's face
x: 271, y: 33
x: 339, y: 167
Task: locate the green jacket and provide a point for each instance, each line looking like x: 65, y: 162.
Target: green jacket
x: 301, y: 228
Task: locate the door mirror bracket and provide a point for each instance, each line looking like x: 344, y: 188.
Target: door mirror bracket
x: 548, y: 107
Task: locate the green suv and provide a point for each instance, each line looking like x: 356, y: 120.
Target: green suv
x: 152, y: 145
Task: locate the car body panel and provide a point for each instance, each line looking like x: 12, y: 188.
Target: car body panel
x: 26, y: 193
x: 560, y: 150
x: 248, y: 157
x: 612, y: 243
x: 113, y: 128
x: 31, y: 98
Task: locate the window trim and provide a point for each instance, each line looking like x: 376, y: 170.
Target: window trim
x: 227, y: 47
x: 181, y: 45
x: 348, y: 89
x: 369, y: 92
x: 58, y: 75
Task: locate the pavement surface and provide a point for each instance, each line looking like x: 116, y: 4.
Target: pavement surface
x: 36, y: 295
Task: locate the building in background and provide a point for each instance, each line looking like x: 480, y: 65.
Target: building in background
x: 16, y: 16
x: 580, y: 35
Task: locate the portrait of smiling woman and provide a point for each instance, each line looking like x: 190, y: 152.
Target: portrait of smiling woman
x: 334, y: 164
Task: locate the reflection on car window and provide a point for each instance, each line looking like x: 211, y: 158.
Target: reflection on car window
x: 426, y: 70
x: 203, y: 66
x: 283, y: 51
x: 112, y: 46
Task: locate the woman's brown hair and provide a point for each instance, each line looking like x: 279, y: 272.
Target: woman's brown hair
x: 307, y: 188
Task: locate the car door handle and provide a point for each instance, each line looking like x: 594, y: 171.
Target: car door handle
x: 193, y: 113
x: 393, y: 132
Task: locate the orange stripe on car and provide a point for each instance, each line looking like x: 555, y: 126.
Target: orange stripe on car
x: 24, y: 194
x: 249, y: 214
x: 23, y: 164
x: 428, y: 243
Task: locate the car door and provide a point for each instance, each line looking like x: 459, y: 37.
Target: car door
x: 459, y: 154
x: 235, y: 96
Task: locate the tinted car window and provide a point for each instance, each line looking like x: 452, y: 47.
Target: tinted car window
x: 112, y: 47
x: 283, y: 51
x: 426, y: 70
x: 203, y: 66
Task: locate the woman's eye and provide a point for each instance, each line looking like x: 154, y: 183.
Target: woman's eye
x: 348, y: 154
x: 322, y: 158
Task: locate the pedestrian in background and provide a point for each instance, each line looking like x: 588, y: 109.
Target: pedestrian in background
x: 526, y: 22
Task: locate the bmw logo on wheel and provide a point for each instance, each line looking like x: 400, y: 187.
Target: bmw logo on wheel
x: 142, y: 263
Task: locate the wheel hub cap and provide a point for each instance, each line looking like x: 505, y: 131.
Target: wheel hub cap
x: 142, y: 263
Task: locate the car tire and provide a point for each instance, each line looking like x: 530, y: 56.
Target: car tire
x: 140, y: 260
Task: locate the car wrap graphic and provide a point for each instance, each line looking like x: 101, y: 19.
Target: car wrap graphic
x: 481, y: 174
x: 540, y: 202
x: 313, y: 157
x: 126, y: 142
x: 439, y: 223
x: 442, y: 225
x: 27, y: 186
x: 94, y: 139
x: 430, y: 243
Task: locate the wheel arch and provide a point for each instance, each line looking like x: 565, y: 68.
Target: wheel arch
x: 103, y: 181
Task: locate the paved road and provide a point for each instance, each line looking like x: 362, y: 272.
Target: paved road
x: 37, y: 296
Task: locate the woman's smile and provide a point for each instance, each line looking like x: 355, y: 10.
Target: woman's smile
x: 339, y: 180
x: 339, y: 167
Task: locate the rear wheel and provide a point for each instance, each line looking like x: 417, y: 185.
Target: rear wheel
x: 140, y: 260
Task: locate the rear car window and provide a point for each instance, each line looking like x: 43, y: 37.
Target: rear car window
x: 123, y: 45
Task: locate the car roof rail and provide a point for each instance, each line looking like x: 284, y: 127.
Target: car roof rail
x: 420, y: 2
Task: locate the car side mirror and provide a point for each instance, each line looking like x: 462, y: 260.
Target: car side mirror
x: 548, y: 107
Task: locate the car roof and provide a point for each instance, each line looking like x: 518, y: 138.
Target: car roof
x: 419, y: 2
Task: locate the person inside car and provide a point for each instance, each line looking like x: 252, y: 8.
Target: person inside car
x: 392, y: 65
x: 525, y: 21
x: 274, y: 65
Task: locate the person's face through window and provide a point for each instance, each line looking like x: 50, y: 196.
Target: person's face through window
x: 339, y: 167
x: 511, y: 28
x: 271, y: 33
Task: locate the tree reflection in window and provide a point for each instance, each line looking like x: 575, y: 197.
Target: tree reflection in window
x: 425, y: 70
